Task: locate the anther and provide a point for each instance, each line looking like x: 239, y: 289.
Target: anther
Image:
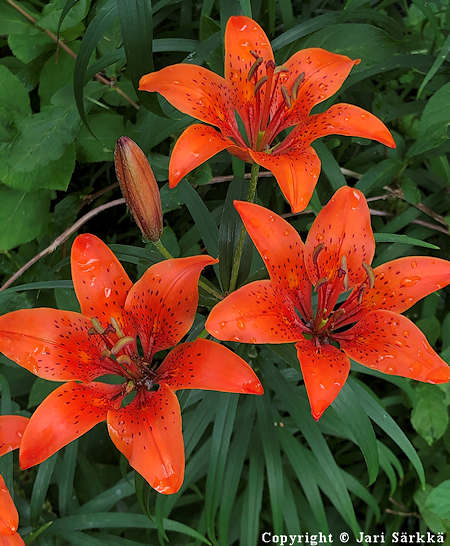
x: 254, y: 53
x: 97, y: 327
x: 279, y: 69
x: 295, y: 87
x: 123, y: 342
x: 315, y: 255
x: 258, y: 85
x: 344, y: 269
x: 286, y: 97
x: 254, y: 68
x: 129, y: 387
x: 361, y: 293
x: 320, y: 283
x: 117, y: 328
x: 124, y: 359
x: 370, y: 274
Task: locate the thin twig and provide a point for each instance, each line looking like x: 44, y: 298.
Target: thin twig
x: 405, y: 514
x: 436, y: 227
x: 98, y: 76
x: 61, y: 238
x: 398, y: 193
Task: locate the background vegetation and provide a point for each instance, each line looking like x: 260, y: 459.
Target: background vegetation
x: 379, y: 458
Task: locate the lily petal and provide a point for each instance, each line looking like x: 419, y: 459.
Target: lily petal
x: 194, y: 146
x: 9, y: 518
x: 195, y: 91
x: 391, y: 343
x: 324, y: 73
x: 325, y: 372
x: 281, y: 248
x: 401, y: 283
x: 11, y: 540
x: 296, y: 171
x: 66, y: 414
x: 148, y: 432
x: 161, y: 306
x: 101, y: 283
x: 342, y: 228
x: 52, y: 344
x: 344, y: 119
x: 204, y: 364
x: 11, y: 432
x: 256, y: 313
x: 243, y: 35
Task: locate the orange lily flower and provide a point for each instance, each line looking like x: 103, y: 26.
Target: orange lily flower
x: 9, y: 518
x: 357, y: 308
x: 119, y: 330
x: 12, y: 428
x: 11, y: 431
x: 268, y: 99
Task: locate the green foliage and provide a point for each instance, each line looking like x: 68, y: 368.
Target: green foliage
x: 379, y: 456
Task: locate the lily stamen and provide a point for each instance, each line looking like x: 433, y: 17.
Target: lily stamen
x: 254, y: 68
x: 296, y: 85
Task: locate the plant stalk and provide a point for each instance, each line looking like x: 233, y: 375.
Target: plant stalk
x: 240, y: 246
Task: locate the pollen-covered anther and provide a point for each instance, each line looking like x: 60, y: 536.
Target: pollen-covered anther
x: 296, y: 85
x: 129, y: 386
x: 279, y: 69
x: 315, y: 255
x: 370, y: 274
x: 344, y: 271
x: 361, y: 294
x: 124, y: 359
x: 321, y: 282
x: 286, y: 96
x: 254, y: 68
x: 117, y: 328
x: 259, y: 84
x: 96, y: 327
x: 121, y: 344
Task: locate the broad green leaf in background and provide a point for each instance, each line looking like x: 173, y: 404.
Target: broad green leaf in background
x: 22, y: 215
x: 438, y: 502
x: 430, y: 413
x: 434, y: 123
x: 43, y: 137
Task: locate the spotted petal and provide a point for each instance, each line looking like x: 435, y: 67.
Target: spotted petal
x: 66, y: 414
x: 194, y: 146
x: 161, y: 306
x: 204, y: 364
x: 256, y: 313
x: 325, y: 372
x: 52, y: 344
x: 391, y: 343
x: 101, y: 283
x: 195, y: 91
x: 296, y: 171
x: 148, y: 433
x: 243, y: 35
x: 11, y: 540
x: 324, y: 73
x: 11, y: 432
x: 401, y: 283
x: 280, y: 247
x: 342, y: 228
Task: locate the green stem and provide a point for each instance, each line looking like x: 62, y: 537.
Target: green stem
x: 163, y: 250
x: 240, y: 245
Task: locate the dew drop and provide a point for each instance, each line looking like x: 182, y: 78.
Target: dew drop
x: 405, y: 333
x: 286, y: 233
x: 240, y: 324
x: 409, y: 281
x: 222, y: 324
x: 413, y: 265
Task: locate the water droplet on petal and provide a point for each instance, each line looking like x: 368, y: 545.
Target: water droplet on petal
x: 240, y: 324
x: 222, y: 324
x: 409, y: 281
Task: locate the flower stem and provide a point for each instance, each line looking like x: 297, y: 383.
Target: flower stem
x: 163, y: 250
x: 240, y: 246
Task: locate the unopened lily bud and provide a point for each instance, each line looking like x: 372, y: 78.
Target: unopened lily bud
x: 139, y: 187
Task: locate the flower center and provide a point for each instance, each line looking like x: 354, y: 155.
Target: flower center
x: 121, y: 357
x: 267, y: 111
x: 334, y: 308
